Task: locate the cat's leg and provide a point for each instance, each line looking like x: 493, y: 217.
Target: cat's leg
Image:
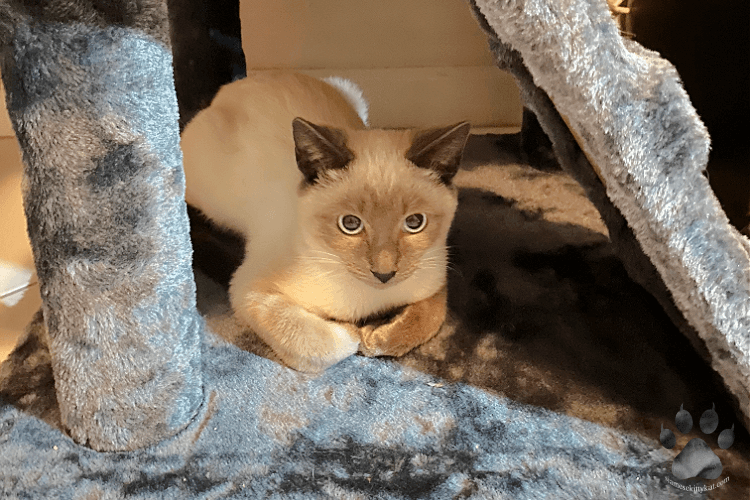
x: 414, y: 326
x: 303, y: 340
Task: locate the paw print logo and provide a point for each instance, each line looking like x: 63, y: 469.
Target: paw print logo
x: 696, y: 459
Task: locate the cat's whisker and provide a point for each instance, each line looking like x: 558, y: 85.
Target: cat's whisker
x: 430, y: 262
x: 323, y: 252
x: 455, y: 270
x: 318, y: 261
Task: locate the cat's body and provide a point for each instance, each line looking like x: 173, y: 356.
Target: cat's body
x: 288, y: 184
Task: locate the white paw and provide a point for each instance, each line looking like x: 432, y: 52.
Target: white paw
x: 321, y: 350
x: 346, y: 341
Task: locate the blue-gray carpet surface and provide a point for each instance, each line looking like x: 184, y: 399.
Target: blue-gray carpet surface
x: 365, y: 429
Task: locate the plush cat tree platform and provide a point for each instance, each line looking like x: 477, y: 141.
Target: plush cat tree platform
x: 121, y: 389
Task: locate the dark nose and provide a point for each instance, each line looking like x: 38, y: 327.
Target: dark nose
x: 383, y: 277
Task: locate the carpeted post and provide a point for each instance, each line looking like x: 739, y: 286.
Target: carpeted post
x: 574, y: 162
x: 91, y: 97
x: 644, y: 147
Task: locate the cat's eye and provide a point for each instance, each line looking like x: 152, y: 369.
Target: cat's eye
x: 414, y: 223
x: 350, y: 224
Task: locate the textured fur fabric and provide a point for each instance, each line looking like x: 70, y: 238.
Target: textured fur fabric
x: 627, y: 109
x: 95, y: 112
x: 147, y: 16
x: 366, y: 429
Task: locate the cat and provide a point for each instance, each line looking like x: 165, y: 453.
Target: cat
x: 341, y: 222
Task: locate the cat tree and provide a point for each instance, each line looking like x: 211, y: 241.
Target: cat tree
x: 118, y: 389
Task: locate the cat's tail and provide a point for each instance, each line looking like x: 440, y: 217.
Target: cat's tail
x: 352, y: 93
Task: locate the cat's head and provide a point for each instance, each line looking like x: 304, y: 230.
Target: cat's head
x: 379, y: 202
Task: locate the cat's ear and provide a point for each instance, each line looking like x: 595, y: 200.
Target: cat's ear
x: 440, y: 149
x: 319, y: 148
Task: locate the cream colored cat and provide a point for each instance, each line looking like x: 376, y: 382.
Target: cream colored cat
x: 341, y: 222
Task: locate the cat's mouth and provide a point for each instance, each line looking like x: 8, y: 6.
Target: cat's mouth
x: 382, y: 286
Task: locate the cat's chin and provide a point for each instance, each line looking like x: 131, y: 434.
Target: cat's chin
x: 377, y: 285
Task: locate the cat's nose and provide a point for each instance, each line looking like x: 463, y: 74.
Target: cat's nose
x: 383, y: 277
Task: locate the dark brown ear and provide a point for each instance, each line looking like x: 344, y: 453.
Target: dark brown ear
x: 319, y: 148
x: 440, y: 149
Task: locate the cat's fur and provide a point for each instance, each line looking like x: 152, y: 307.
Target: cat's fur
x: 252, y: 166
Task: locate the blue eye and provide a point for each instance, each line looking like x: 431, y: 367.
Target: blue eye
x: 414, y: 223
x: 350, y: 224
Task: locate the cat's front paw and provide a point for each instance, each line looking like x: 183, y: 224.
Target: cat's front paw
x: 384, y: 341
x: 368, y: 347
x: 323, y: 347
x: 412, y: 327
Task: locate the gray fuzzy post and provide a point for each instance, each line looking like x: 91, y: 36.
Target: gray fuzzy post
x: 94, y: 108
x: 634, y: 122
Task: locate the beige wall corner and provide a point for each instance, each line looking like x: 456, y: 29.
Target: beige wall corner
x: 6, y: 130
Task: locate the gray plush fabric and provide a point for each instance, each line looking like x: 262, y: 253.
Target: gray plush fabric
x: 574, y: 162
x: 635, y: 123
x: 368, y: 428
x: 95, y: 112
